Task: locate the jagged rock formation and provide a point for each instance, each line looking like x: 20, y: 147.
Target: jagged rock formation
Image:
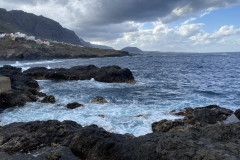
x: 211, y: 141
x: 109, y: 74
x: 23, y: 88
x: 200, y: 116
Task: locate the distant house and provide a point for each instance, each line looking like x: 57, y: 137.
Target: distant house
x: 30, y: 38
x: 39, y: 41
x: 21, y: 35
x: 2, y: 35
x: 8, y: 34
x: 46, y: 43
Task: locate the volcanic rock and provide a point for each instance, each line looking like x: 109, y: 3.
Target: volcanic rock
x: 200, y: 116
x: 213, y: 141
x: 167, y: 125
x: 49, y: 99
x: 28, y: 136
x: 237, y: 113
x: 74, y: 105
x: 23, y: 88
x: 110, y: 74
x: 99, y: 99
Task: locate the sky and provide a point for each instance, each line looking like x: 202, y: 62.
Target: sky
x: 151, y: 25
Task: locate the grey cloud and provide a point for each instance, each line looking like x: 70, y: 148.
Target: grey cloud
x: 117, y: 11
x: 107, y: 19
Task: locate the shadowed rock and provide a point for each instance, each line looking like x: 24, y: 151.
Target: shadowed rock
x: 237, y: 113
x: 49, y: 99
x: 111, y: 74
x: 199, y: 116
x: 216, y: 141
x: 74, y: 105
x: 23, y: 88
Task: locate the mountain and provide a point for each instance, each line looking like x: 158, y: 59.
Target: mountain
x: 132, y: 50
x: 39, y: 26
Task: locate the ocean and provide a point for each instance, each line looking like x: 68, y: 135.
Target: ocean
x: 165, y: 82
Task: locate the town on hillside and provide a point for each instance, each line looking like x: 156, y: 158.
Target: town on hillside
x: 13, y: 37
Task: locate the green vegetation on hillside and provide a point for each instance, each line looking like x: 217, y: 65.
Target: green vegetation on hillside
x: 21, y: 49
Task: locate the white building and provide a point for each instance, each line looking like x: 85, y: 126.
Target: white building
x: 2, y: 35
x: 31, y: 38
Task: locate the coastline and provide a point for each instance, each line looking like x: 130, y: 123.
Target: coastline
x: 197, y: 136
x: 21, y: 49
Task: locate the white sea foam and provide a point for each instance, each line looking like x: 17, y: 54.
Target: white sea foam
x: 118, y: 118
x: 20, y: 64
x: 25, y: 68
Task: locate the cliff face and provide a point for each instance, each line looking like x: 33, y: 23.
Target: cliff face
x: 39, y: 26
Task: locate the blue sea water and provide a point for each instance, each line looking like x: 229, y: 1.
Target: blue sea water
x: 165, y: 82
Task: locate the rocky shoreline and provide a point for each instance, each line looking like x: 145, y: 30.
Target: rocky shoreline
x: 206, y: 138
x: 208, y: 133
x: 24, y: 87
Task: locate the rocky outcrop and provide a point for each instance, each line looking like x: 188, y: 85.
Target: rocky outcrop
x: 23, y: 88
x: 49, y: 99
x: 237, y: 113
x: 29, y: 136
x: 200, y: 116
x: 110, y: 74
x: 74, y: 105
x: 99, y: 99
x: 216, y: 141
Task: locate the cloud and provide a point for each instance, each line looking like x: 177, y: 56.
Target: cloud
x: 225, y: 31
x: 116, y: 22
x: 189, y: 20
x: 182, y: 38
x: 206, y: 12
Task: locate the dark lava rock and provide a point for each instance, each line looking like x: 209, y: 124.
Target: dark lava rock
x: 42, y: 153
x: 74, y: 105
x: 99, y: 99
x: 29, y: 136
x: 216, y: 141
x: 199, y: 116
x: 167, y: 125
x: 49, y: 99
x: 24, y: 88
x: 207, y: 115
x: 54, y: 156
x: 40, y: 94
x: 10, y: 99
x: 237, y: 113
x: 110, y: 74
